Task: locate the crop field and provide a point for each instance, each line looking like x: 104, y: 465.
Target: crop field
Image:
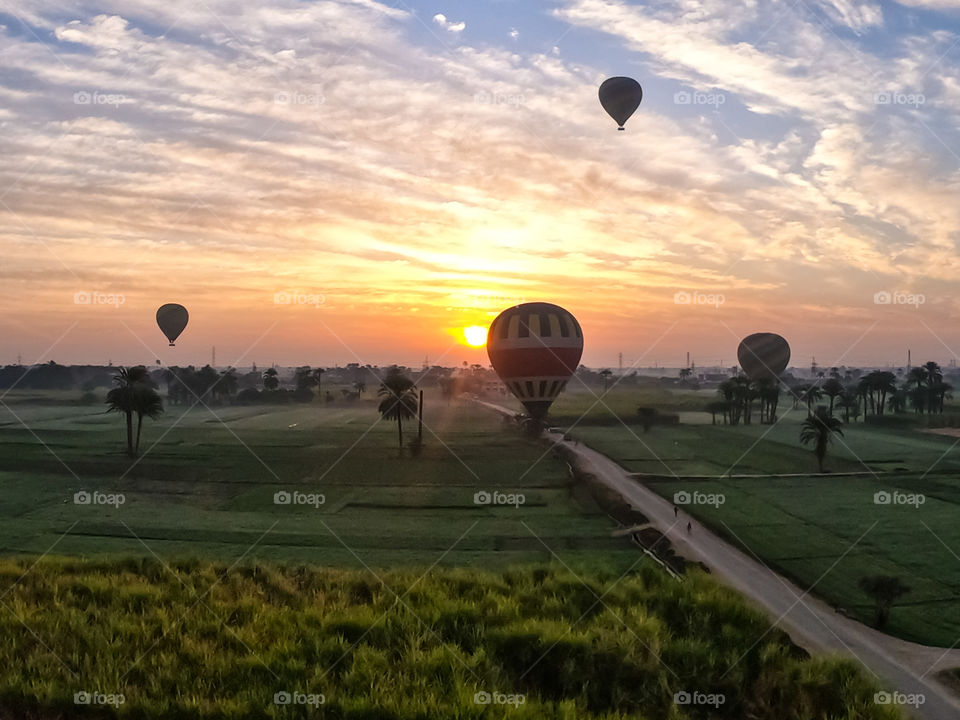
x: 825, y: 532
x: 206, y: 482
x: 195, y: 640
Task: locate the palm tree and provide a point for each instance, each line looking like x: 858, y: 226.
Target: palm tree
x: 360, y: 387
x: 685, y: 373
x: 134, y: 394
x: 318, y: 374
x: 605, y: 374
x: 229, y: 382
x: 399, y: 401
x: 832, y: 388
x: 146, y: 402
x: 885, y: 590
x: 819, y: 429
x: 717, y: 406
x: 270, y: 380
x: 849, y: 400
x: 811, y: 393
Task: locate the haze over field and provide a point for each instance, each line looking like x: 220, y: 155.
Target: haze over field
x: 358, y: 181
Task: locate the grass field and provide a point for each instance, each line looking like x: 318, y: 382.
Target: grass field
x: 205, y: 487
x: 194, y: 640
x: 815, y: 529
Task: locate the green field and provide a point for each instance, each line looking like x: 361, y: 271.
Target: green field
x: 816, y: 529
x: 195, y: 641
x: 206, y: 481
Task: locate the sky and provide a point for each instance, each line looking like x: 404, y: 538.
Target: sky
x: 332, y: 182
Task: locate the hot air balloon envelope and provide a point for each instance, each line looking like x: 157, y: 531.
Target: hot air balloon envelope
x: 620, y: 97
x: 172, y: 319
x: 535, y: 349
x: 763, y: 355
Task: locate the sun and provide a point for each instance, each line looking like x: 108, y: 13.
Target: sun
x: 475, y: 335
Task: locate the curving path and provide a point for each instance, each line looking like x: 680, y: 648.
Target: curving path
x: 812, y: 623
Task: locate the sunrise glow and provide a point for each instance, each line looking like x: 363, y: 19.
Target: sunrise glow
x: 475, y: 336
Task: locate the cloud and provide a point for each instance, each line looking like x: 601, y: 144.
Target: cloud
x: 932, y: 4
x: 514, y: 33
x: 441, y: 20
x: 237, y: 168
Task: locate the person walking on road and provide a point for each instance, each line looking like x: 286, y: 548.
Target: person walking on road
x: 689, y: 529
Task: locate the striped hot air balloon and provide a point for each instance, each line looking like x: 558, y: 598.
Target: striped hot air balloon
x: 763, y: 355
x: 535, y: 348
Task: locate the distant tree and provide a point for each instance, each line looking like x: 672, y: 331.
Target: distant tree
x: 768, y: 391
x: 318, y: 374
x: 270, y: 380
x: 228, y: 382
x: 849, y: 401
x: 819, y: 428
x: 811, y: 393
x: 134, y: 394
x: 399, y: 399
x: 716, y: 407
x: 360, y: 387
x: 885, y: 590
x: 146, y: 403
x: 685, y: 374
x: 941, y: 390
x: 605, y: 374
x: 832, y: 388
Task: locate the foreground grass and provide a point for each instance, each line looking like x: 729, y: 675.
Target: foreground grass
x: 197, y: 640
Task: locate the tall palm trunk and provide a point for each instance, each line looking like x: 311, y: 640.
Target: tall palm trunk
x: 129, y: 414
x: 400, y: 428
x: 139, y: 427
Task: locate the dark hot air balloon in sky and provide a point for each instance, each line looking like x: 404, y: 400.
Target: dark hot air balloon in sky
x: 172, y: 319
x: 535, y: 349
x: 763, y: 355
x: 620, y: 97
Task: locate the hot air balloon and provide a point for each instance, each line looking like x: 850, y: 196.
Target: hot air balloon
x: 763, y: 355
x: 172, y: 319
x: 535, y: 348
x: 620, y: 97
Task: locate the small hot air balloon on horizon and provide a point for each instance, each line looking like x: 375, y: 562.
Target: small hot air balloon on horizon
x: 172, y: 319
x: 763, y: 355
x: 535, y: 348
x: 620, y: 97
